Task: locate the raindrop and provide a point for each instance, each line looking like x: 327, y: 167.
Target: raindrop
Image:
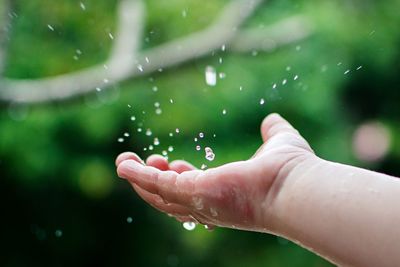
x: 190, y: 226
x: 213, y: 212
x: 284, y: 81
x: 105, y: 80
x: 156, y: 141
x: 211, y: 76
x: 98, y: 89
x: 148, y: 132
x: 157, y: 104
x: 111, y: 36
x: 198, y: 148
x: 164, y: 153
x: 133, y: 118
x: 359, y: 67
x: 126, y: 134
x: 346, y: 72
x: 195, y: 139
x: 274, y: 86
x: 177, y: 130
x: 288, y: 68
x: 223, y: 48
x: 184, y: 13
x: 50, y: 27
x: 171, y: 101
x: 158, y: 111
x: 170, y: 148
x: 171, y: 134
x: 58, y: 233
x: 151, y: 147
x: 139, y: 130
x: 147, y: 59
x: 129, y: 220
x: 210, y: 156
x: 222, y: 75
x: 140, y: 67
x: 201, y: 135
x: 83, y: 7
x: 224, y: 112
x: 296, y: 77
x: 121, y: 140
x: 262, y: 101
x: 155, y: 88
x: 203, y: 166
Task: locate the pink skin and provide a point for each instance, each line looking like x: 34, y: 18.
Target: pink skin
x: 236, y: 195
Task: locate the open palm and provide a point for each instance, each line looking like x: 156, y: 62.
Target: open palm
x: 236, y: 195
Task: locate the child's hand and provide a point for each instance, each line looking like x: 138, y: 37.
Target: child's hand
x: 236, y: 195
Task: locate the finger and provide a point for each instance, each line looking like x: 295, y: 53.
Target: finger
x: 158, y: 161
x: 274, y: 124
x: 157, y: 202
x: 180, y: 166
x: 171, y: 186
x: 127, y: 155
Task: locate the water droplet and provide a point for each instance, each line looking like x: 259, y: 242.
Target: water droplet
x: 111, y: 36
x: 284, y: 81
x: 190, y: 226
x: 201, y: 135
x: 222, y: 75
x: 157, y: 104
x: 170, y: 148
x: 177, y: 130
x: 171, y: 134
x: 155, y: 88
x: 224, y: 112
x: 346, y: 72
x: 105, y: 80
x: 140, y: 67
x: 184, y: 13
x: 126, y: 134
x: 359, y: 68
x: 151, y: 147
x: 139, y: 130
x: 98, y: 89
x: 82, y: 5
x: 129, y: 220
x: 288, y: 68
x: 171, y: 101
x: 203, y: 166
x: 274, y: 86
x: 158, y: 111
x: 213, y: 212
x: 58, y: 233
x: 198, y: 203
x: 240, y: 88
x: 164, y: 153
x: 133, y: 118
x: 156, y: 141
x: 262, y: 101
x: 121, y: 140
x: 147, y: 60
x: 149, y: 132
x: 298, y: 48
x: 210, y: 156
x: 211, y: 76
x: 198, y: 148
x: 296, y: 77
x: 223, y: 48
x: 50, y: 27
x: 195, y: 139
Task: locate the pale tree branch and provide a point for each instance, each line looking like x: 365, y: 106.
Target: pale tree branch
x: 5, y: 17
x: 125, y: 62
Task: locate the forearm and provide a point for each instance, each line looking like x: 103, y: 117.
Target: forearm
x: 348, y: 215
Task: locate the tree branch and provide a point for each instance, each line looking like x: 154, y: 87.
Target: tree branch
x: 125, y: 63
x: 4, y: 30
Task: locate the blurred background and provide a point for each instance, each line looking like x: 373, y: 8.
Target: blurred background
x: 330, y: 67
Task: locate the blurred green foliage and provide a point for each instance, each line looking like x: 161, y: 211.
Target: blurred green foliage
x: 56, y: 160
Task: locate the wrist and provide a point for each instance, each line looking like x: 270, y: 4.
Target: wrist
x: 285, y: 190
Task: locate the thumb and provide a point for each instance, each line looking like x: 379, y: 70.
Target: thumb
x: 273, y: 125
